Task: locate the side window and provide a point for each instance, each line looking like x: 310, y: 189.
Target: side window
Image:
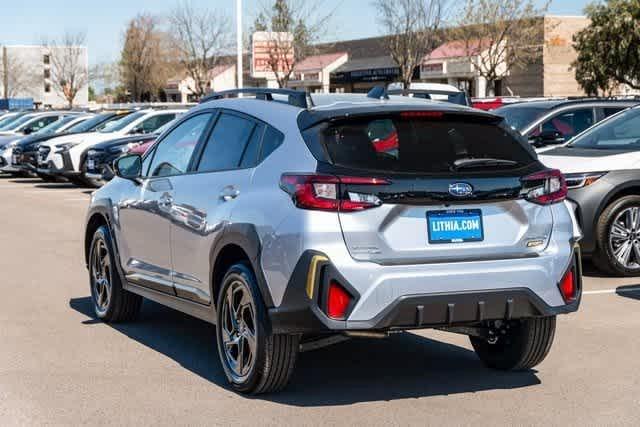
x: 226, y: 144
x: 570, y: 123
x: 173, y: 153
x: 610, y: 111
x: 147, y: 162
x: 252, y: 152
x: 272, y: 140
x: 44, y: 121
x: 152, y: 123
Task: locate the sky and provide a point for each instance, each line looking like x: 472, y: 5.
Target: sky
x: 30, y: 22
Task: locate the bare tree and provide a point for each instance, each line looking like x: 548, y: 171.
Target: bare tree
x: 15, y: 76
x: 69, y: 65
x: 500, y: 35
x: 293, y: 29
x: 144, y: 64
x: 414, y: 31
x: 201, y: 37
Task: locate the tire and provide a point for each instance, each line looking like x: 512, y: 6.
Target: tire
x: 79, y: 181
x: 111, y: 302
x: 604, y: 257
x: 47, y: 178
x: 525, y: 345
x: 270, y: 365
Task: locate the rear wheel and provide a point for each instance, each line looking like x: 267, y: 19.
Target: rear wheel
x: 618, y: 238
x: 254, y: 360
x: 111, y: 302
x: 524, y: 344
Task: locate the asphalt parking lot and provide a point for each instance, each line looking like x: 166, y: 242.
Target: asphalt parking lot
x: 59, y: 366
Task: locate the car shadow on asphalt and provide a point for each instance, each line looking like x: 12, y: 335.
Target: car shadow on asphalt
x: 631, y: 291
x: 362, y: 370
x: 56, y: 185
x: 590, y: 270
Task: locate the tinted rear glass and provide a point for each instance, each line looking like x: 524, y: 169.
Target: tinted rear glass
x: 419, y: 145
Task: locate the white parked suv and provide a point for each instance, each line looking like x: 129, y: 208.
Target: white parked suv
x: 65, y: 156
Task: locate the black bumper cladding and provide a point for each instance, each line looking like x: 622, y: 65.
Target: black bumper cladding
x: 300, y: 314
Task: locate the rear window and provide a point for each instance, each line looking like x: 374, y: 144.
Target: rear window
x: 434, y: 144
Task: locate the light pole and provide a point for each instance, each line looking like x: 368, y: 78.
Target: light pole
x: 239, y: 41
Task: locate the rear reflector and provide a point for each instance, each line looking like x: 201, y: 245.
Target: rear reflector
x: 338, y: 301
x: 546, y: 187
x: 568, y: 286
x: 325, y: 192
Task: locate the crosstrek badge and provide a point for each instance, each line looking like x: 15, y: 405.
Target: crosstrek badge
x: 455, y: 226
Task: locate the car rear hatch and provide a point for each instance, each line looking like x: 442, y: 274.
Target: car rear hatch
x: 422, y: 187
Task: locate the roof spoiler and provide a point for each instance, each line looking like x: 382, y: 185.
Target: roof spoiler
x: 296, y: 98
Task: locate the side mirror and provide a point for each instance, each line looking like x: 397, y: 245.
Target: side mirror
x: 128, y: 167
x: 548, y: 137
x: 27, y: 131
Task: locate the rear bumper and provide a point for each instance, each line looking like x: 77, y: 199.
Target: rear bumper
x: 303, y: 306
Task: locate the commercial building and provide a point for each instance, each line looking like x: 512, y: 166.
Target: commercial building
x: 27, y: 72
x: 549, y: 74
x: 181, y: 88
x: 313, y: 73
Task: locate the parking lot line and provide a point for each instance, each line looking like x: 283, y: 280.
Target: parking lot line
x: 613, y: 291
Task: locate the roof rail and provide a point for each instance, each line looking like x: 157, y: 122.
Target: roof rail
x: 378, y: 92
x: 296, y: 98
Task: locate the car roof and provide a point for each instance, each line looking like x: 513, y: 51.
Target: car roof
x: 334, y: 105
x: 556, y: 103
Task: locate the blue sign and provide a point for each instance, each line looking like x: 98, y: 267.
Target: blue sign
x: 455, y: 226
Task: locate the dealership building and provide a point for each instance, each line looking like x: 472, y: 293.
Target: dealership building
x: 549, y: 74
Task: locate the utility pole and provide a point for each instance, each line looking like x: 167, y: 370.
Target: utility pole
x: 239, y: 41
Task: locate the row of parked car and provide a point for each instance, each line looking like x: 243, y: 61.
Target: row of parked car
x: 601, y: 172
x: 76, y: 146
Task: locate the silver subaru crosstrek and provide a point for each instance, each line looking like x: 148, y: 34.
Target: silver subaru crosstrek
x: 294, y: 221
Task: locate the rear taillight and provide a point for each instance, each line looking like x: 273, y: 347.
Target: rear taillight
x: 546, y: 187
x: 569, y: 286
x: 338, y: 301
x: 329, y: 193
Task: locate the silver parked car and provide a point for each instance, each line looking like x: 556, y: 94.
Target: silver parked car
x: 292, y: 222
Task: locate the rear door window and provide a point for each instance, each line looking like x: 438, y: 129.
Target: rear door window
x: 568, y: 123
x: 227, y: 143
x: 414, y: 143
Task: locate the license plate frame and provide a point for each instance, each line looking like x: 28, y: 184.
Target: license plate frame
x: 441, y: 233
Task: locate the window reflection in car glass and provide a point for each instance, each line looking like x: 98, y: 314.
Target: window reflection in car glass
x: 173, y: 154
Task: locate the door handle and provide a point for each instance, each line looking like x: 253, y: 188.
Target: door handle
x: 229, y: 193
x: 166, y: 200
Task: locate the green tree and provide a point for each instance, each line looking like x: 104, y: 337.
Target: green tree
x: 608, y: 48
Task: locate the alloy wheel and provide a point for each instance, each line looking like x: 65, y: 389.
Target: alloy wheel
x: 238, y: 330
x: 624, y: 238
x: 101, y: 276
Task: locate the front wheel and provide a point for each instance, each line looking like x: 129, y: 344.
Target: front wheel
x: 254, y: 360
x: 618, y: 238
x: 111, y: 302
x: 517, y: 345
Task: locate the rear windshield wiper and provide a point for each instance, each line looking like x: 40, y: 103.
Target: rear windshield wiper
x: 469, y: 163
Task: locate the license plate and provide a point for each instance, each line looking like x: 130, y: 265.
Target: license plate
x: 455, y: 226
x: 91, y: 165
